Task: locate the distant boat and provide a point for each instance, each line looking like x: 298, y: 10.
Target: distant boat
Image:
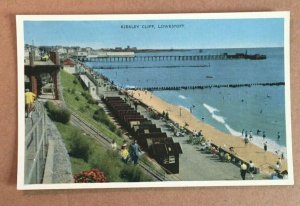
x: 209, y: 77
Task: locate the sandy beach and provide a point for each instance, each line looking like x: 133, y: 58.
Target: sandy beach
x: 263, y: 160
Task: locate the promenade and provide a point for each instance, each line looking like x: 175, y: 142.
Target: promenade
x: 198, y: 165
x: 194, y: 165
x: 264, y: 160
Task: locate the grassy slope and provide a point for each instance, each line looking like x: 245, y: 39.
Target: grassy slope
x: 80, y: 106
x: 99, y: 157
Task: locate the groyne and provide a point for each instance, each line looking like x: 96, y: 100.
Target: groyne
x: 161, y: 88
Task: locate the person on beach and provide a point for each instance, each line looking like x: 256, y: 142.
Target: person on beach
x: 264, y: 134
x: 135, y: 152
x: 278, y: 136
x: 243, y: 132
x: 246, y: 134
x: 251, y: 169
x: 243, y: 170
x: 282, y: 156
x: 250, y: 135
x: 246, y: 140
x: 265, y: 146
x: 29, y: 102
x: 227, y: 157
x: 277, y: 167
x: 231, y: 149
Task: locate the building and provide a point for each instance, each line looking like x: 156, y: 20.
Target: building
x: 69, y: 66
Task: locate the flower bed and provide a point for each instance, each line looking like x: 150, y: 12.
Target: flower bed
x: 90, y: 176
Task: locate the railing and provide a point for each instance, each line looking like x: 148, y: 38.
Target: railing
x: 36, y: 148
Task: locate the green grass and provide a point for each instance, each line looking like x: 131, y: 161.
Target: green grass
x: 79, y: 165
x: 81, y: 107
x: 99, y: 157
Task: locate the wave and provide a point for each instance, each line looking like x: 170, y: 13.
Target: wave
x: 259, y: 141
x: 212, y: 111
x: 210, y: 108
x: 232, y: 131
x: 181, y: 96
x: 130, y: 86
x: 218, y: 118
x: 273, y: 146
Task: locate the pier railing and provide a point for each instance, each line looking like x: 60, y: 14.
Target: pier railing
x: 36, y: 148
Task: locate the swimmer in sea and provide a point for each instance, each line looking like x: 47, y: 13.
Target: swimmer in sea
x: 264, y: 135
x: 258, y: 132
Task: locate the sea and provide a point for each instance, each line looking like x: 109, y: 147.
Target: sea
x: 238, y: 110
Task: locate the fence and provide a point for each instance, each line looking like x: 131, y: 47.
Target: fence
x: 36, y: 145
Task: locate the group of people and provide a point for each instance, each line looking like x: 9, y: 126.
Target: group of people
x: 244, y: 169
x: 248, y: 136
x: 258, y: 133
x: 133, y: 152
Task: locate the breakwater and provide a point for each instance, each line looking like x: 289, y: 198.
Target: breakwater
x: 208, y: 86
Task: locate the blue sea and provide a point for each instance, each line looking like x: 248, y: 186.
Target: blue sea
x: 230, y: 110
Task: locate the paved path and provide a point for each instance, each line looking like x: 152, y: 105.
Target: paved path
x: 197, y: 165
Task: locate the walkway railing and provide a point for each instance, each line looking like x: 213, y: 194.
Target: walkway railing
x: 36, y: 147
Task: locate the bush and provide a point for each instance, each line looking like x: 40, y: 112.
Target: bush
x: 79, y: 146
x: 73, y: 91
x: 107, y: 161
x: 92, y: 101
x: 57, y: 113
x: 89, y: 97
x: 82, y: 109
x: 132, y: 173
x: 119, y: 132
x: 77, y: 98
x: 75, y: 81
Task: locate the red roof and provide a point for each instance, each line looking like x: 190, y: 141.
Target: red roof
x: 69, y: 62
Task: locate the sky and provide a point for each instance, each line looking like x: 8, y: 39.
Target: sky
x: 153, y: 34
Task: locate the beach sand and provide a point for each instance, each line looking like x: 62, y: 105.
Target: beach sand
x: 264, y: 160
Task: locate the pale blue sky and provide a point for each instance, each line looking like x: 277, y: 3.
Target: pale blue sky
x: 195, y: 34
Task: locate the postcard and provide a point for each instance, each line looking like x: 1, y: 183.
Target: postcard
x: 156, y: 100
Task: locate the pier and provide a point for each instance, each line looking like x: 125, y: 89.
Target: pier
x: 147, y: 58
x: 208, y: 86
x: 152, y: 58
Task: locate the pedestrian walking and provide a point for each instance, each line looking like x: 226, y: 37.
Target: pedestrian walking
x: 251, y: 169
x: 246, y: 140
x: 266, y: 146
x: 124, y: 154
x: 135, y: 152
x: 243, y: 170
x: 29, y: 102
